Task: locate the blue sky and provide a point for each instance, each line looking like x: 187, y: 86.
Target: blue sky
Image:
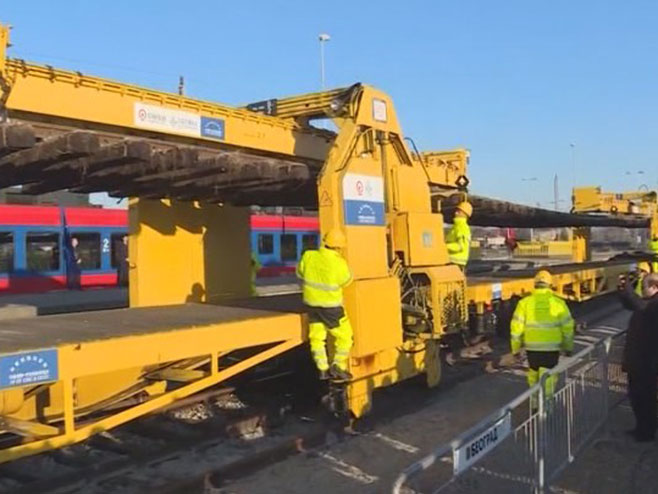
x: 514, y: 81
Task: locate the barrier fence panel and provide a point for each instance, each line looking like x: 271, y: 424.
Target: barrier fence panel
x: 526, y: 444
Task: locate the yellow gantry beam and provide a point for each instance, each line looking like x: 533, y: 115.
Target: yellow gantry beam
x: 313, y: 105
x: 594, y: 200
x: 641, y: 203
x: 44, y: 93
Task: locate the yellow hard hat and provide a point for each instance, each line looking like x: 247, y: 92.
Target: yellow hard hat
x: 543, y: 277
x: 335, y: 238
x: 644, y: 266
x: 466, y: 208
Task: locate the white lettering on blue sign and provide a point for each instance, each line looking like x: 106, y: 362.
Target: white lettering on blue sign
x: 363, y: 199
x: 177, y: 121
x: 476, y: 448
x: 27, y: 368
x: 212, y: 127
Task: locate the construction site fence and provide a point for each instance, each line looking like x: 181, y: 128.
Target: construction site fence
x: 525, y: 445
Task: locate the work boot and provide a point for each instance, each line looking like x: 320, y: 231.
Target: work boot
x: 339, y: 375
x: 324, y: 375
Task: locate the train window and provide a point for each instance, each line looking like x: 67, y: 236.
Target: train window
x: 265, y: 243
x: 6, y: 252
x: 42, y: 251
x: 309, y: 242
x: 118, y: 249
x: 88, y: 249
x: 288, y: 247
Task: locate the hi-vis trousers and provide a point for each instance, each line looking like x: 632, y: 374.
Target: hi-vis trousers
x: 333, y: 320
x: 538, y: 364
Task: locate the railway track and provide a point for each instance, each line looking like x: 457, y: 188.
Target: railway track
x: 217, y: 441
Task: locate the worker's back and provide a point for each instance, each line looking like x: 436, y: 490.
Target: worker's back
x: 544, y: 305
x: 546, y: 321
x: 324, y: 273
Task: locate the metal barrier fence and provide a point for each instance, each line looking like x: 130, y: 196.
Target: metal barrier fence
x: 520, y: 449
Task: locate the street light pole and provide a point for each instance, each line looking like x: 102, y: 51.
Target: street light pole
x: 322, y: 38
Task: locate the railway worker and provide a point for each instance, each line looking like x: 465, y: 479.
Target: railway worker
x: 542, y: 324
x: 73, y: 265
x: 653, y: 247
x: 122, y: 261
x: 255, y: 268
x: 324, y: 273
x: 640, y: 360
x: 458, y: 239
x: 643, y: 269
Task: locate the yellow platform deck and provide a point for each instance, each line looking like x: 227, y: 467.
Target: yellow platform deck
x: 55, y: 373
x: 52, y: 331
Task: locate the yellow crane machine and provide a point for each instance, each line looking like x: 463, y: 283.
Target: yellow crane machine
x: 65, y: 378
x: 191, y: 168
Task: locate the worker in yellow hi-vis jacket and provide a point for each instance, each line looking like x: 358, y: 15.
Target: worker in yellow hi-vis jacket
x: 324, y: 273
x: 643, y: 269
x: 653, y: 247
x: 542, y: 324
x: 458, y: 239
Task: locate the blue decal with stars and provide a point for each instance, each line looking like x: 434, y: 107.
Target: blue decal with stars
x: 28, y: 368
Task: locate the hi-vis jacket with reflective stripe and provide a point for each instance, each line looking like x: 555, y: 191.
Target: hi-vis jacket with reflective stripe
x: 542, y: 322
x: 324, y: 273
x: 458, y: 241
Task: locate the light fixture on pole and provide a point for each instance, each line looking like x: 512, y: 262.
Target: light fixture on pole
x: 322, y: 38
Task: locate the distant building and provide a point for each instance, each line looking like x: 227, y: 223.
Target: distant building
x: 13, y: 195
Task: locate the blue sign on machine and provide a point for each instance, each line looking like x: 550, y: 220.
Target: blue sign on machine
x: 20, y: 369
x: 364, y: 213
x: 212, y: 127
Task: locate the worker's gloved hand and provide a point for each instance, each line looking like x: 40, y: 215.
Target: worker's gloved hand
x: 518, y: 357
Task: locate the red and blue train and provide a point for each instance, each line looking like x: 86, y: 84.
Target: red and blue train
x: 279, y: 241
x: 33, y: 242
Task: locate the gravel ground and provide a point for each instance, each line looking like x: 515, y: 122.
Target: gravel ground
x: 369, y: 463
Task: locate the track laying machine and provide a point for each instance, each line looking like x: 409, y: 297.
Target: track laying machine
x: 190, y: 169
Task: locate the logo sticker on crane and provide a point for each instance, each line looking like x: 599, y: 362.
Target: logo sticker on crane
x: 363, y: 200
x: 28, y: 368
x: 177, y: 121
